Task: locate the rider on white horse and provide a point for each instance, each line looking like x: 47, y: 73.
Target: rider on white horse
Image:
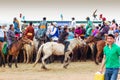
x: 63, y: 38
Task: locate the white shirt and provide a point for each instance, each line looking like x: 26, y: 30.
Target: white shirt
x: 117, y: 41
x: 73, y: 24
x: 49, y: 29
x: 1, y: 33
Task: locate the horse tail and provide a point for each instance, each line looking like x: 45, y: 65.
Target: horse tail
x: 38, y: 55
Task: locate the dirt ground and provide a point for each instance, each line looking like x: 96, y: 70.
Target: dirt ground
x: 75, y: 71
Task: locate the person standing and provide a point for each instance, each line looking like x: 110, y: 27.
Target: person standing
x: 29, y: 32
x: 111, y: 59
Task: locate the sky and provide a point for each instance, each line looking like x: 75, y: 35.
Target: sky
x: 52, y: 9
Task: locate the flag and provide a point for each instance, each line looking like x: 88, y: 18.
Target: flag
x: 61, y: 16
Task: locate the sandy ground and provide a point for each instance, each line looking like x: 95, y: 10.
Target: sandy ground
x: 75, y: 71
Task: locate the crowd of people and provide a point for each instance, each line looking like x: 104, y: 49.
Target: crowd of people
x: 66, y: 33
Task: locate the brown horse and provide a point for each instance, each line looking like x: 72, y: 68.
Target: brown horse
x: 96, y: 44
x: 14, y: 50
x: 2, y: 61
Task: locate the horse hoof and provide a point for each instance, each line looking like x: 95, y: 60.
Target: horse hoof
x: 9, y: 66
x: 65, y: 67
x: 16, y: 66
x: 43, y: 67
x: 96, y: 63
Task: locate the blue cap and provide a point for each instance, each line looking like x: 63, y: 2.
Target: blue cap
x: 116, y: 31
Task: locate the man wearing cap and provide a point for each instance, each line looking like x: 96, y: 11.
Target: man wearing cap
x: 54, y: 33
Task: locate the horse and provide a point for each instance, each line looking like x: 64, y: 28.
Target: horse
x: 15, y: 48
x: 55, y: 48
x: 41, y: 37
x: 2, y: 60
x: 96, y: 45
x: 28, y: 51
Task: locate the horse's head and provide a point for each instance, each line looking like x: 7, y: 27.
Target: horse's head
x: 89, y: 39
x: 24, y: 40
x: 80, y: 42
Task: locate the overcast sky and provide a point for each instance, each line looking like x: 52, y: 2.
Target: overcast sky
x: 36, y: 9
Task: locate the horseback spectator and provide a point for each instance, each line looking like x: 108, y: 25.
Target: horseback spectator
x: 95, y: 32
x: 73, y: 23
x: 88, y: 27
x: 10, y: 35
x: 111, y: 31
x: 103, y: 24
x: 63, y: 38
x: 114, y: 25
x: 16, y: 27
x: 49, y: 29
x: 42, y: 29
x: 1, y: 34
x: 29, y: 32
x: 43, y: 25
x: 24, y: 26
x: 78, y: 32
x: 54, y: 33
x: 71, y: 34
x: 105, y: 29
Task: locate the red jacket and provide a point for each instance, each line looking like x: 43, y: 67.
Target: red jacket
x: 29, y: 32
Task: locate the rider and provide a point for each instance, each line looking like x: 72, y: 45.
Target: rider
x: 88, y: 27
x: 63, y: 38
x: 29, y: 32
x: 16, y: 27
x: 10, y: 35
x: 42, y: 28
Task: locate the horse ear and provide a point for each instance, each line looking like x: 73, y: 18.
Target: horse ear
x: 19, y: 38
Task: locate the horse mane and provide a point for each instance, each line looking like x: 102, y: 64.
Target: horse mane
x: 15, y: 42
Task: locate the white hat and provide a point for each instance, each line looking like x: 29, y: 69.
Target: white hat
x: 54, y: 23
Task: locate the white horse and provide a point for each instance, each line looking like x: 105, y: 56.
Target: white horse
x: 28, y: 51
x: 55, y: 48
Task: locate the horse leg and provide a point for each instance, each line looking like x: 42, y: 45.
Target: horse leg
x: 85, y: 53
x: 24, y: 52
x: 28, y: 57
x: 15, y: 58
x: 43, y: 61
x: 3, y: 58
x: 98, y: 56
x: 9, y: 64
x: 66, y: 60
x: 92, y: 51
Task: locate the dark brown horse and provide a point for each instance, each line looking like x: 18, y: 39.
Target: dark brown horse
x: 14, y: 50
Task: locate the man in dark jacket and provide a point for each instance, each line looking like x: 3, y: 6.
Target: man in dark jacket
x: 62, y: 38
